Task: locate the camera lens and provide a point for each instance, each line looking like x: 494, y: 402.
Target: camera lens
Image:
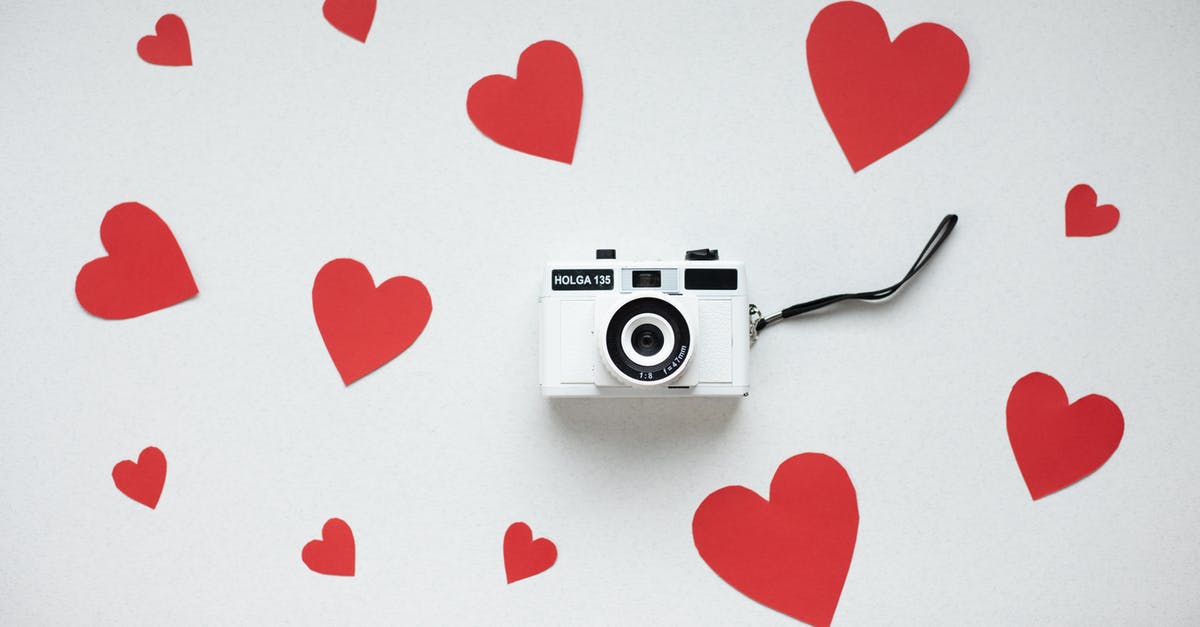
x: 647, y: 340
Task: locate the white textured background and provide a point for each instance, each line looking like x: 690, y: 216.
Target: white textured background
x: 289, y: 144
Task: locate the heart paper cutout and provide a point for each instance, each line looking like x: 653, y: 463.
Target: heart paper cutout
x: 1084, y: 217
x: 878, y: 94
x: 169, y: 45
x: 143, y: 480
x: 364, y: 326
x: 352, y: 17
x: 333, y: 554
x: 524, y: 556
x: 144, y: 271
x: 1056, y: 443
x: 791, y: 553
x: 538, y: 111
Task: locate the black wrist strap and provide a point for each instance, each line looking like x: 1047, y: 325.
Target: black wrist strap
x: 935, y: 242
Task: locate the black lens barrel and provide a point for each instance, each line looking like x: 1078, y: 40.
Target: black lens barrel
x: 674, y: 358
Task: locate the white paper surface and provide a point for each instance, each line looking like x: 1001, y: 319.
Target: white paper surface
x: 288, y: 144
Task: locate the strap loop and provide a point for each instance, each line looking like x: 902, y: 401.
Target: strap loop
x: 939, y: 236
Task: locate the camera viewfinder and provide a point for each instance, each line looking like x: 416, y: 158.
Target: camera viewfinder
x: 647, y: 278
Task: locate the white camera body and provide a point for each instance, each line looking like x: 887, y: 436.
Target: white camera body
x: 655, y: 329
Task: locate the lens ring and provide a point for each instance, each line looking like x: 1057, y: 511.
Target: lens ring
x: 631, y: 352
x: 627, y: 362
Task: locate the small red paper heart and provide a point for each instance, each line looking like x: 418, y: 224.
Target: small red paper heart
x: 144, y: 271
x: 142, y: 481
x: 524, y: 556
x: 791, y: 553
x: 538, y: 111
x: 169, y: 45
x: 1056, y: 443
x: 1084, y: 217
x: 364, y: 326
x: 878, y: 94
x: 352, y: 17
x: 333, y: 554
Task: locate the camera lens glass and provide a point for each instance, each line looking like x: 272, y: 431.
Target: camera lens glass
x: 647, y: 340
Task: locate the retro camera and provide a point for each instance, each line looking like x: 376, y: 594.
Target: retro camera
x: 645, y: 329
x: 663, y: 329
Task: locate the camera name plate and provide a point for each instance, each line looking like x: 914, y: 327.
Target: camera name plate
x: 581, y: 279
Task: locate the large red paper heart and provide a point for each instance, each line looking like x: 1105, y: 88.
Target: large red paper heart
x: 538, y: 111
x: 352, y: 17
x: 524, y: 556
x: 1056, y: 443
x: 143, y: 480
x: 169, y: 45
x: 364, y: 326
x: 1084, y: 217
x: 791, y: 553
x: 879, y: 94
x: 333, y: 554
x: 144, y: 271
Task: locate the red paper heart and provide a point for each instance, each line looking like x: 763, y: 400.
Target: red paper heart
x: 791, y: 553
x: 333, y: 554
x: 1056, y: 443
x: 538, y: 111
x: 169, y: 45
x: 1084, y: 218
x: 142, y: 481
x: 524, y: 556
x: 364, y: 326
x: 144, y: 271
x: 352, y: 17
x: 878, y: 94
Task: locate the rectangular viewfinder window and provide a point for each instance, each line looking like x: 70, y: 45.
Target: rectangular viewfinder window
x: 710, y: 278
x: 647, y: 278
